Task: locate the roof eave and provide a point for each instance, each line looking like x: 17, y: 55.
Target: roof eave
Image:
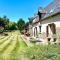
x: 50, y: 15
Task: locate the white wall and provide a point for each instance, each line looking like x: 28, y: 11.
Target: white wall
x: 54, y: 19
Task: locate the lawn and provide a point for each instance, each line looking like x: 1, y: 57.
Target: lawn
x: 12, y: 47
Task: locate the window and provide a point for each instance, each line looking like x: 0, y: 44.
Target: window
x: 40, y: 28
x: 51, y: 10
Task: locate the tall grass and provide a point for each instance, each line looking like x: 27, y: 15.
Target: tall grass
x: 47, y: 52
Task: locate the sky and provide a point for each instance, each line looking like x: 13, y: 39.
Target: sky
x: 15, y: 9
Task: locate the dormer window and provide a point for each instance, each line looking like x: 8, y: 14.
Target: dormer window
x: 40, y: 28
x: 52, y: 10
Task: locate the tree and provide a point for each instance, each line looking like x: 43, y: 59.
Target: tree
x: 12, y: 26
x: 2, y: 22
x: 21, y: 24
x: 6, y: 22
x: 26, y: 26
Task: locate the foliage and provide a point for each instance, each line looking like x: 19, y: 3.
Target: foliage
x: 21, y: 24
x: 13, y: 26
x: 6, y: 21
x: 2, y: 22
x: 7, y: 25
x: 26, y: 26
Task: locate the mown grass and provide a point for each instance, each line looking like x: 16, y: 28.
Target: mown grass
x: 3, y: 40
x: 14, y: 52
x: 20, y: 45
x: 5, y: 47
x: 2, y: 37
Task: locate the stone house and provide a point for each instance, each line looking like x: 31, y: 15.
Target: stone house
x: 46, y: 23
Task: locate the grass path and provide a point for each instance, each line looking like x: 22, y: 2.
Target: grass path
x: 11, y: 46
x: 20, y: 45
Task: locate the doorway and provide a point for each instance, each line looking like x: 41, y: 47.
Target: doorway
x: 51, y: 28
x: 35, y: 31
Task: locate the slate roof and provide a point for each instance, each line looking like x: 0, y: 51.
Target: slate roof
x: 52, y: 8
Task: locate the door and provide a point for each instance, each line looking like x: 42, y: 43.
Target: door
x: 35, y: 31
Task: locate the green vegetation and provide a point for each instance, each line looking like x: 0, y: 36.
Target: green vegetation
x: 47, y: 52
x: 6, y: 24
x: 21, y: 24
